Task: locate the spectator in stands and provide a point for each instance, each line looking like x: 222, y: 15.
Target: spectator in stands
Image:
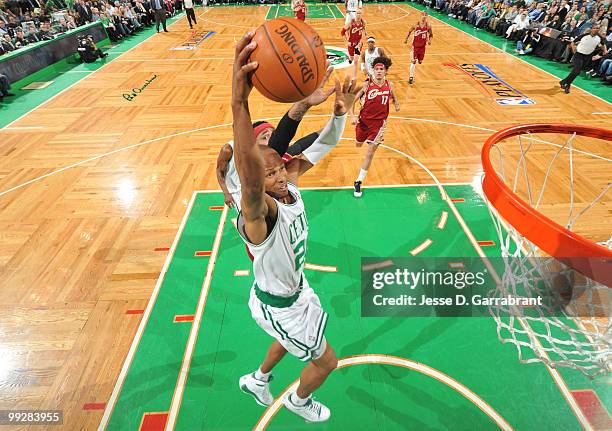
x: 71, y: 23
x: 520, y: 23
x: 46, y: 32
x: 33, y: 35
x: 3, y: 29
x: 528, y: 42
x: 19, y: 40
x: 7, y: 43
x: 509, y: 18
x: 563, y: 10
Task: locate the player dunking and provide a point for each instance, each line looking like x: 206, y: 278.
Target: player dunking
x: 373, y: 115
x: 369, y: 54
x: 352, y: 33
x: 273, y: 223
x: 423, y: 35
x: 299, y: 9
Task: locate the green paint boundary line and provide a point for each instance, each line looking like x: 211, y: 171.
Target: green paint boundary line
x: 64, y: 73
x: 592, y: 86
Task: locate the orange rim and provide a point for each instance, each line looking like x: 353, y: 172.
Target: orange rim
x: 581, y: 254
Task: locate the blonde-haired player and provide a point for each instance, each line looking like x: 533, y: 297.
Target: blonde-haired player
x: 353, y: 33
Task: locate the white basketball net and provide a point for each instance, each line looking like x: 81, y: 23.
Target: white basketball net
x: 577, y: 333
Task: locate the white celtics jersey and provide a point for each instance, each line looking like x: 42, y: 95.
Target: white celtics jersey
x: 278, y: 262
x: 369, y: 59
x: 352, y: 5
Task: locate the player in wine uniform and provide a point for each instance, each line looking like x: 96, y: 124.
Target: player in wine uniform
x: 368, y: 56
x: 352, y: 33
x: 352, y: 6
x: 370, y: 127
x: 423, y: 35
x: 299, y: 9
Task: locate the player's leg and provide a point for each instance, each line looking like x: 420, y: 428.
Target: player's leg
x: 413, y: 61
x: 313, y: 376
x: 356, y: 60
x: 257, y: 383
x: 374, y: 136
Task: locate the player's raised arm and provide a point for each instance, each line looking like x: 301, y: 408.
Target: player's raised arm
x: 331, y: 133
x: 409, y: 33
x: 249, y: 160
x: 287, y: 126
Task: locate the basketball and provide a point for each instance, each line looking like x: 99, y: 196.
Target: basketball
x: 291, y: 57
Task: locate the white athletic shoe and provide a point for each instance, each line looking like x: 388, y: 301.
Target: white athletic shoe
x: 312, y: 411
x: 258, y: 389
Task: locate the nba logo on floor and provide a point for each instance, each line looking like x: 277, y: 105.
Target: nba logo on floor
x: 514, y: 101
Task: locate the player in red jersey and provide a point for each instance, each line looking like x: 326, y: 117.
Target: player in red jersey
x: 299, y: 9
x: 423, y: 35
x: 370, y: 127
x: 352, y: 33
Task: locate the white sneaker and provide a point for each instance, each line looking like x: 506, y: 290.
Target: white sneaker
x: 260, y: 390
x: 312, y: 411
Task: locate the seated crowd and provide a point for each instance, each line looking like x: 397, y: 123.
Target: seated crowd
x: 30, y: 21
x: 524, y: 22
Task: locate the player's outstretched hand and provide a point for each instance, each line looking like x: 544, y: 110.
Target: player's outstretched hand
x: 345, y: 95
x: 320, y: 95
x: 241, y: 81
x: 227, y: 199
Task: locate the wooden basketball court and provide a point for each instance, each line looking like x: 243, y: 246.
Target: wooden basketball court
x: 97, y: 189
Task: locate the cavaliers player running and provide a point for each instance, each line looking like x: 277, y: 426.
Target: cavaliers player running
x: 423, y: 35
x: 368, y: 56
x: 352, y: 33
x: 273, y: 223
x: 373, y: 115
x: 299, y: 9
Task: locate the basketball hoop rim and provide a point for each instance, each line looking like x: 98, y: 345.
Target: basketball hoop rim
x: 549, y: 236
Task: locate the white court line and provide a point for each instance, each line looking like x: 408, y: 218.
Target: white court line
x: 165, y: 60
x: 24, y: 127
x: 79, y: 71
x: 443, y: 219
x: 421, y: 247
x: 177, y: 397
x: 241, y: 273
x: 80, y: 80
x: 602, y: 113
x: 505, y: 52
x: 269, y: 119
x: 267, y: 416
x: 110, y: 405
x: 322, y: 268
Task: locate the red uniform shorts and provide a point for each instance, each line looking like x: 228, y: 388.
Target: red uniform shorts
x: 301, y: 15
x: 353, y: 50
x: 370, y: 130
x: 418, y: 53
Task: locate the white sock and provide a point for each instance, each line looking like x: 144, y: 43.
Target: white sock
x: 264, y: 377
x: 412, y: 67
x: 297, y: 400
x: 362, y: 175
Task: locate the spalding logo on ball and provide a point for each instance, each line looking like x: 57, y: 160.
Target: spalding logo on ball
x: 291, y: 57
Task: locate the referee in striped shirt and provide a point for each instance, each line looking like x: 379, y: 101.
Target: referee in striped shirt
x: 583, y: 47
